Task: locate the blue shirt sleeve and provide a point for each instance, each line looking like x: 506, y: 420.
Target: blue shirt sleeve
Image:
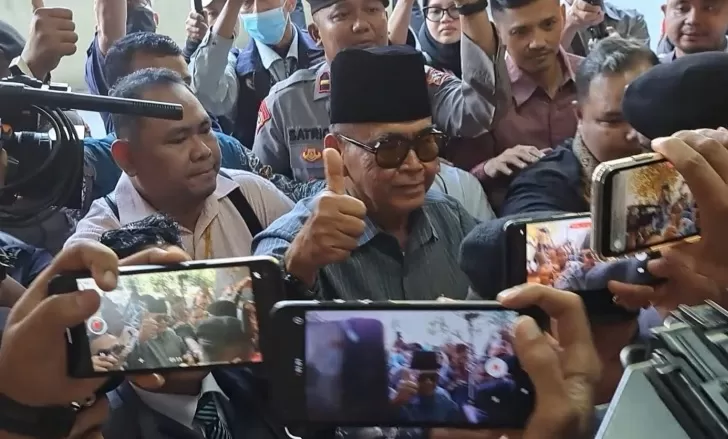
x: 95, y: 78
x: 94, y: 72
x: 97, y: 155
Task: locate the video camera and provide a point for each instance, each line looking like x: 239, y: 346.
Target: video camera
x: 678, y: 386
x: 45, y: 169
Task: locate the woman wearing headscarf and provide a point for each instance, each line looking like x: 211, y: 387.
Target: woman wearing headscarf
x: 439, y: 36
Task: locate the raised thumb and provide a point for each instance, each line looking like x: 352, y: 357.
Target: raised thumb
x: 37, y: 4
x: 63, y: 311
x: 334, y: 171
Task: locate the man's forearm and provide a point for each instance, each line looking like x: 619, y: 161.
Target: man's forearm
x: 215, y: 87
x: 399, y: 21
x: 226, y: 23
x: 110, y: 22
x: 479, y: 29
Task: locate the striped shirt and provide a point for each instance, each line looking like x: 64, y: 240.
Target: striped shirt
x: 379, y: 269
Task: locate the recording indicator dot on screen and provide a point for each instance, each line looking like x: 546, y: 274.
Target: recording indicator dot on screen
x: 97, y: 326
x: 618, y: 244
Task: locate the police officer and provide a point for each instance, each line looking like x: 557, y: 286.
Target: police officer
x: 294, y: 119
x: 232, y: 83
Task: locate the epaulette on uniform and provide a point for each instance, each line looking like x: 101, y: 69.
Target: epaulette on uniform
x: 299, y: 76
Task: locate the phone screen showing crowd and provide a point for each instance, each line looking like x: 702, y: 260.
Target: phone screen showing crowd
x: 558, y: 254
x: 174, y: 319
x: 656, y: 207
x: 414, y: 368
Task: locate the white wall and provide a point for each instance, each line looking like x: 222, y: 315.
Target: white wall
x: 172, y: 15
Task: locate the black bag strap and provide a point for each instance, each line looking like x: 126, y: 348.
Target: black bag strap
x: 236, y: 197
x: 244, y: 209
x: 112, y: 204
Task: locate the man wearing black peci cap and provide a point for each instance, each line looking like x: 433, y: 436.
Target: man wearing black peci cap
x: 376, y: 232
x: 687, y: 94
x: 294, y: 119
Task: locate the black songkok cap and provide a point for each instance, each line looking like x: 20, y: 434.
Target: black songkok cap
x: 381, y: 85
x: 424, y: 360
x: 11, y: 42
x: 688, y: 93
x: 317, y: 5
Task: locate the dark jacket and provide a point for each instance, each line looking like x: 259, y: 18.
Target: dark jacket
x: 554, y: 183
x: 130, y: 418
x: 255, y: 82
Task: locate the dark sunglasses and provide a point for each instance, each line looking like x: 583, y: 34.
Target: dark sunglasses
x: 433, y: 13
x: 390, y: 153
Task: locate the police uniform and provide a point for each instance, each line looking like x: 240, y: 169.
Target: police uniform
x: 294, y: 119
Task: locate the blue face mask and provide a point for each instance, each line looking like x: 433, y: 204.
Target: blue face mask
x: 266, y: 27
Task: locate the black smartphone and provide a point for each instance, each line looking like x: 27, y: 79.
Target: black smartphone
x: 424, y: 364
x: 197, y: 4
x: 188, y: 315
x: 640, y: 203
x: 556, y: 251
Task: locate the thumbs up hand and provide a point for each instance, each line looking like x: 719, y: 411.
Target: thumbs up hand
x: 52, y: 36
x: 334, y: 228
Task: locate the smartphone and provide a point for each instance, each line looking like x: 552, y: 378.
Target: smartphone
x: 555, y: 251
x: 163, y: 318
x: 197, y: 5
x: 640, y: 203
x: 423, y: 364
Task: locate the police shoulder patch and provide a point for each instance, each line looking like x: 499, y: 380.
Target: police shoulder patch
x: 263, y: 117
x: 436, y: 77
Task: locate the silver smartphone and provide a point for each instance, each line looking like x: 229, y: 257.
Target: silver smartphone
x: 640, y: 203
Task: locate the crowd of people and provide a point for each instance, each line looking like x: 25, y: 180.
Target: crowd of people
x: 372, y: 172
x: 194, y: 326
x: 559, y: 254
x: 455, y: 367
x: 658, y: 214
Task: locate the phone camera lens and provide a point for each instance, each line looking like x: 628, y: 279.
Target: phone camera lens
x: 298, y: 320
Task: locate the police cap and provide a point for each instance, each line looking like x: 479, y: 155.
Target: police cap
x: 686, y: 94
x: 11, y: 42
x: 380, y: 85
x: 317, y: 5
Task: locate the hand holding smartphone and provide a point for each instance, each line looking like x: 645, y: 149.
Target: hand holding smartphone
x: 190, y: 315
x: 423, y: 364
x: 640, y: 203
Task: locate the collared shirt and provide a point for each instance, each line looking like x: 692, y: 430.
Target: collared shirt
x: 534, y: 118
x: 672, y: 55
x: 179, y: 408
x: 278, y: 67
x: 379, y: 269
x: 218, y: 232
x: 214, y: 76
x: 105, y: 173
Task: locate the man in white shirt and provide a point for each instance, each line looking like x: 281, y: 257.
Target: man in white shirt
x: 173, y: 167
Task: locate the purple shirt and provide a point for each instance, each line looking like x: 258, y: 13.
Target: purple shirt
x: 534, y: 118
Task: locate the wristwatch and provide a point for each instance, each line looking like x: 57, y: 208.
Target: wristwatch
x: 51, y: 422
x: 473, y: 8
